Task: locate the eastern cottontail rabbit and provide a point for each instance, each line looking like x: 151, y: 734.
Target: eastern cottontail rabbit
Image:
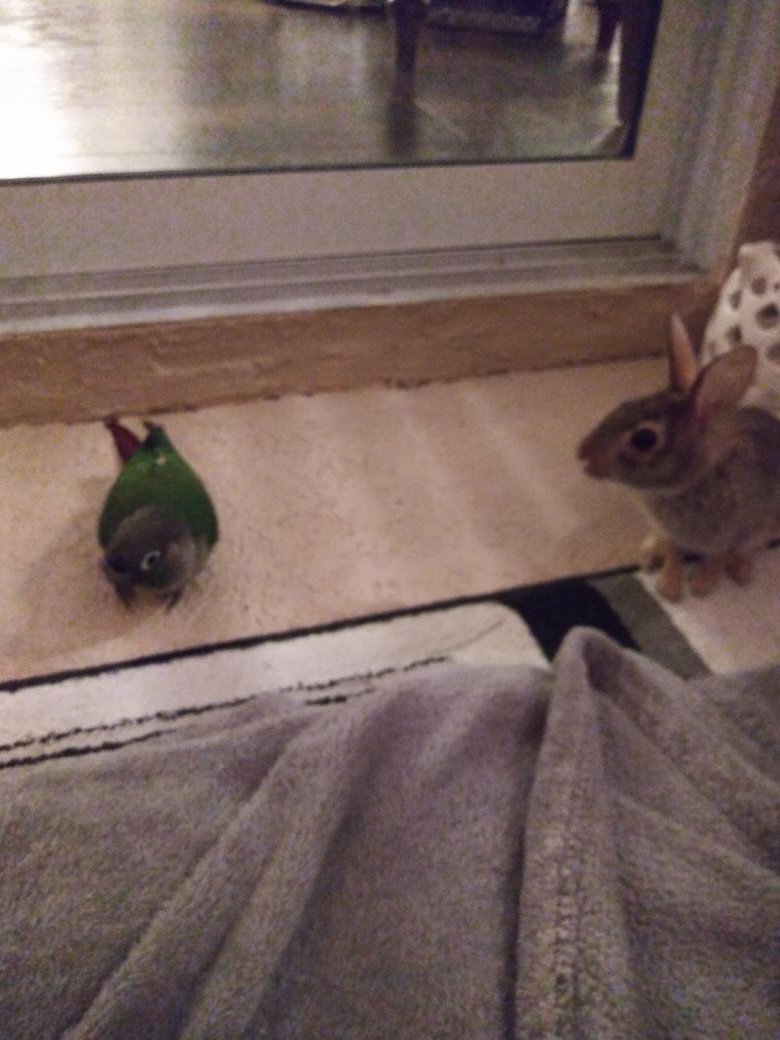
x: 707, y: 470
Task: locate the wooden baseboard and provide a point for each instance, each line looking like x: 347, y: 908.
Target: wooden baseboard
x: 75, y: 375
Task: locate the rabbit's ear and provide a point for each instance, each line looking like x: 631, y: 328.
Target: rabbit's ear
x: 723, y: 381
x: 683, y: 367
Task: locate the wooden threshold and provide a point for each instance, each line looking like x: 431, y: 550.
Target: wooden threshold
x: 82, y: 374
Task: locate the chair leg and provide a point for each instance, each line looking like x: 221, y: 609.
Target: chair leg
x: 610, y: 13
x: 408, y: 17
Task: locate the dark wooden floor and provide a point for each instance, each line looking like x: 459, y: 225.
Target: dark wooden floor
x: 94, y: 87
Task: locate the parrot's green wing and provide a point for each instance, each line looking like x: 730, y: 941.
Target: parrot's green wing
x: 156, y: 475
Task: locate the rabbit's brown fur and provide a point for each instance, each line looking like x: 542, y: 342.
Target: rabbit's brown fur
x: 707, y: 469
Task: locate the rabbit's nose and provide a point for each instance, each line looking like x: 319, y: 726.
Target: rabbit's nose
x: 597, y: 465
x: 595, y: 457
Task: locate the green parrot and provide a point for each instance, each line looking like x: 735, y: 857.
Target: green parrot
x: 158, y: 524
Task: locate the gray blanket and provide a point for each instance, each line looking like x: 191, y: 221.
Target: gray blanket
x: 463, y: 853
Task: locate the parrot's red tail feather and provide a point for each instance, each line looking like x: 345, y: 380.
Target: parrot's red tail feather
x: 127, y: 444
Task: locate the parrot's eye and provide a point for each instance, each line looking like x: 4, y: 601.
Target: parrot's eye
x: 150, y: 559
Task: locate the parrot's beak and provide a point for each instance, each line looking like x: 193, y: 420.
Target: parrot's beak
x: 120, y: 579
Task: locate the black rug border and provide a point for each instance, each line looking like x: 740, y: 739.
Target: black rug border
x: 511, y: 597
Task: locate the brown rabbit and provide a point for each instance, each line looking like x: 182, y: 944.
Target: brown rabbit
x: 707, y: 470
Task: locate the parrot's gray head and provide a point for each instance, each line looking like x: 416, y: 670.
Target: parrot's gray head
x: 154, y: 549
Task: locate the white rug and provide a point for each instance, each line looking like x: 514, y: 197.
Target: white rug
x: 53, y: 716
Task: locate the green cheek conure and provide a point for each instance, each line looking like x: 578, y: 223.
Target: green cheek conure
x: 158, y: 523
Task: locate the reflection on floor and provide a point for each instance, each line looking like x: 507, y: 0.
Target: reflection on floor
x: 129, y: 86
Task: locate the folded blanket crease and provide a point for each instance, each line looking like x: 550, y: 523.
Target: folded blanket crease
x: 463, y: 852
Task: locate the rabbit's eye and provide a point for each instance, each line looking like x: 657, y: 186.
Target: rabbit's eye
x: 644, y: 439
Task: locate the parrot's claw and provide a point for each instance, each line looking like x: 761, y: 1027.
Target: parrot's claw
x: 173, y: 599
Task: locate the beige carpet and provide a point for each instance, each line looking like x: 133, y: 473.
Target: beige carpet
x: 331, y: 506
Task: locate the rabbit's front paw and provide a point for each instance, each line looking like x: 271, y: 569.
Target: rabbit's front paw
x: 739, y: 568
x: 652, y: 552
x: 706, y: 576
x: 670, y: 581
